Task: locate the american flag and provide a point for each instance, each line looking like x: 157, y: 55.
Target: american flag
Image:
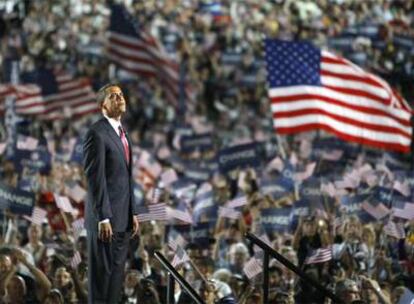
x: 395, y: 229
x: 63, y: 203
x: 76, y: 192
x: 313, y: 89
x: 402, y: 187
x: 134, y: 50
x: 26, y: 142
x: 24, y: 94
x: 38, y: 216
x: 78, y: 226
x: 185, y: 192
x: 182, y: 215
x: 407, y: 212
x: 53, y: 95
x: 180, y: 257
x: 264, y: 238
x: 378, y: 211
x: 168, y: 177
x: 152, y: 212
x: 75, y: 260
x: 252, y: 267
x: 319, y: 256
x: 237, y: 202
x: 229, y: 213
x: 176, y: 240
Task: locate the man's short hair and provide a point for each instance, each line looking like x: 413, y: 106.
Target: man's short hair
x: 101, y: 94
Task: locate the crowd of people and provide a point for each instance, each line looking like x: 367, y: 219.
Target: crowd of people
x: 362, y: 212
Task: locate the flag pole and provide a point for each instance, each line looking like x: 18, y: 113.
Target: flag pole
x: 203, y: 278
x: 10, y: 115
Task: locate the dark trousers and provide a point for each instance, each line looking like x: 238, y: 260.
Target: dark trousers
x: 106, y: 263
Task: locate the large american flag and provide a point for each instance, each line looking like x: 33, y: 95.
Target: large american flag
x: 51, y: 95
x: 136, y: 51
x: 313, y: 89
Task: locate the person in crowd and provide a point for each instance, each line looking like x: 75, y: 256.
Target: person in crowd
x: 35, y: 245
x: 17, y: 287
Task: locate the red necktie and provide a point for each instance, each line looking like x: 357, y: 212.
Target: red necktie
x: 124, y: 143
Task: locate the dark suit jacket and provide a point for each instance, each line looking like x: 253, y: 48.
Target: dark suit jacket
x: 109, y: 178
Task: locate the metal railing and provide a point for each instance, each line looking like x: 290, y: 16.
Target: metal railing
x: 173, y: 276
x: 269, y: 251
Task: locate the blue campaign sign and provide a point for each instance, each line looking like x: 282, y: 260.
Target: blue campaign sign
x: 276, y: 188
x: 382, y: 195
x: 17, y: 201
x: 198, y: 234
x: 353, y: 205
x: 276, y: 219
x: 311, y: 190
x: 300, y: 208
x: 201, y: 142
x: 240, y: 156
x: 194, y: 172
x: 205, y: 209
x: 38, y: 160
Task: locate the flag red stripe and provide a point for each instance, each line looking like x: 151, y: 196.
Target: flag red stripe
x: 329, y: 100
x: 370, y: 126
x: 344, y: 136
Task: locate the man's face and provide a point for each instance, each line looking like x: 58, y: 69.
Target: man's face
x: 114, y: 103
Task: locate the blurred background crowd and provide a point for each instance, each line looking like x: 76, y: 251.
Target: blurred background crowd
x: 300, y: 193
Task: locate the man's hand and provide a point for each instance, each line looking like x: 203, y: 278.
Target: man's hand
x: 105, y: 232
x: 135, y: 226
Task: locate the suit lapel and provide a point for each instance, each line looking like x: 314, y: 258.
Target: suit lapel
x: 116, y: 139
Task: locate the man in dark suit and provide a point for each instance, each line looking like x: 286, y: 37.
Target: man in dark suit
x: 111, y: 216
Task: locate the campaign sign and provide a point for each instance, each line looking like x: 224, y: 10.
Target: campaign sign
x: 198, y: 234
x: 201, y: 142
x: 17, y: 201
x: 275, y: 219
x: 353, y: 205
x: 205, y: 209
x: 384, y: 195
x: 196, y: 174
x: 300, y: 209
x: 310, y: 190
x: 276, y: 188
x: 240, y: 156
x: 38, y: 160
